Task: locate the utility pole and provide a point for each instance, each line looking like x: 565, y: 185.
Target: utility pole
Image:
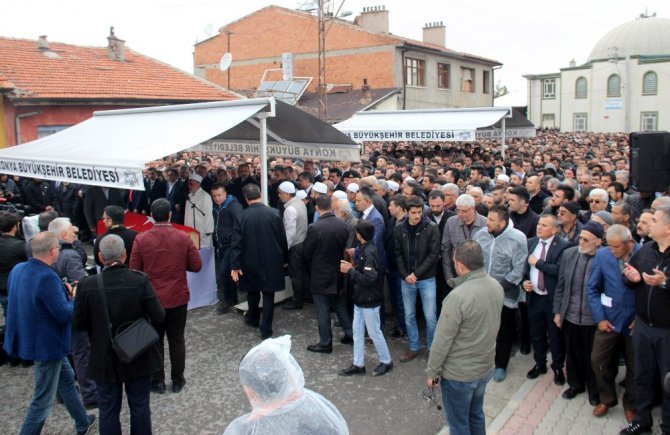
x: 228, y: 33
x: 323, y: 6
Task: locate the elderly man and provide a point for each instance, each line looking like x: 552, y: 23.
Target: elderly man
x: 451, y: 193
x: 459, y: 228
x: 573, y: 314
x: 612, y: 305
x: 505, y: 254
x: 166, y: 254
x: 324, y: 248
x: 598, y: 201
x: 39, y: 327
x: 295, y: 227
x: 461, y: 359
x: 129, y: 296
x: 275, y: 386
x: 71, y: 267
x: 647, y: 273
x: 198, y: 211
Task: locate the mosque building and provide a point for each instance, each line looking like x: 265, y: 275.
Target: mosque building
x: 624, y: 86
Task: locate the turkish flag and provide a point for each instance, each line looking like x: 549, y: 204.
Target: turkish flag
x: 142, y: 223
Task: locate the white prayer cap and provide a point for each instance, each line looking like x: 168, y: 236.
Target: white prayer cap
x: 353, y: 188
x: 393, y: 185
x: 195, y: 177
x: 301, y: 194
x: 320, y: 187
x: 287, y: 187
x: 340, y: 195
x: 502, y: 177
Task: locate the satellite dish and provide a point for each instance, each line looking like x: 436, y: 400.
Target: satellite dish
x: 226, y: 60
x: 209, y: 28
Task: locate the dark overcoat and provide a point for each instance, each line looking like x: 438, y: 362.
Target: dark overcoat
x: 130, y: 296
x: 259, y: 249
x: 324, y: 248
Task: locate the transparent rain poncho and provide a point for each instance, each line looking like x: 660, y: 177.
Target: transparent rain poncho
x: 274, y: 384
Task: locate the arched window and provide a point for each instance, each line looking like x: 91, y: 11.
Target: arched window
x: 650, y: 83
x: 614, y: 86
x: 581, y: 88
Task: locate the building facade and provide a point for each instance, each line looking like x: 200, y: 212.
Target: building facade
x: 46, y: 86
x: 623, y: 87
x: 359, y: 54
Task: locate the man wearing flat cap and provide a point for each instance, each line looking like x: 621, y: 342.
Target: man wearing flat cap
x: 569, y: 226
x: 198, y: 211
x: 295, y: 227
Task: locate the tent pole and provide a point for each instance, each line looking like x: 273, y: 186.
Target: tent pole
x: 264, y: 157
x: 502, y: 140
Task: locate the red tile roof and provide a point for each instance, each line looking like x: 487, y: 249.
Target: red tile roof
x: 71, y: 72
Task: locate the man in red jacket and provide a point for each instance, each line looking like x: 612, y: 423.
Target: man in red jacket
x: 166, y: 254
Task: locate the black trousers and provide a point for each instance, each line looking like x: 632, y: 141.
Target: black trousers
x: 254, y: 300
x: 578, y: 346
x: 652, y: 354
x: 524, y: 328
x: 323, y: 305
x: 605, y: 363
x: 505, y: 338
x: 543, y: 328
x: 296, y: 271
x: 173, y: 327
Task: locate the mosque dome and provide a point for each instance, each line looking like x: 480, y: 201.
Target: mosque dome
x: 646, y: 36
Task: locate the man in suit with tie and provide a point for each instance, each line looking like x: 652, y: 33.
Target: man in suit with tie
x: 155, y: 188
x: 541, y: 275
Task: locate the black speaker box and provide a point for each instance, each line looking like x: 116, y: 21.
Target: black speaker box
x: 650, y: 161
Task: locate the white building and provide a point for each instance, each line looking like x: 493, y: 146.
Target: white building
x: 623, y: 86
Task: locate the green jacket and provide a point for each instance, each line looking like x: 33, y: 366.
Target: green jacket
x: 464, y: 344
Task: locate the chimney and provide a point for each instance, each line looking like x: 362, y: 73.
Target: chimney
x: 366, y: 95
x: 116, y: 48
x: 434, y: 33
x: 375, y: 18
x: 573, y: 63
x: 42, y: 43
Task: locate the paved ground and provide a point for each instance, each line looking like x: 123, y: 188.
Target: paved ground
x: 390, y: 404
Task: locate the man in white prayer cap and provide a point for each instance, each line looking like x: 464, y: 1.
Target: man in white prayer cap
x: 198, y: 211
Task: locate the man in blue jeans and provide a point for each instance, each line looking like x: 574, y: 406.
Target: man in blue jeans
x: 461, y: 359
x: 39, y: 328
x: 417, y: 251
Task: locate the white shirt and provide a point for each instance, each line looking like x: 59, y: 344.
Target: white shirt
x: 367, y: 211
x: 534, y: 272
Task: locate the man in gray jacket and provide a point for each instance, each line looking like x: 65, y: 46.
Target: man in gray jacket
x: 461, y: 359
x: 458, y: 228
x: 505, y: 253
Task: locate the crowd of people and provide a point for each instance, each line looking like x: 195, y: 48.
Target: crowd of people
x: 550, y: 236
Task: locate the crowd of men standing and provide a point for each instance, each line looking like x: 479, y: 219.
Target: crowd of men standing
x: 577, y: 254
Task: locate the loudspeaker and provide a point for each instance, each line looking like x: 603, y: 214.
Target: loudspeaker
x: 650, y: 161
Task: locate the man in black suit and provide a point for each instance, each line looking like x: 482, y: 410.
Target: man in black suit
x: 96, y: 198
x: 112, y: 218
x: 39, y: 196
x: 541, y: 276
x: 154, y: 187
x: 180, y: 195
x: 243, y: 178
x: 259, y: 252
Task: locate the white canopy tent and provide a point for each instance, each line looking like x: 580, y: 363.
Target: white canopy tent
x: 112, y: 148
x: 447, y: 125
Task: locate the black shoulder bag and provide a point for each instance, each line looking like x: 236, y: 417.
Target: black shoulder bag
x: 132, y: 339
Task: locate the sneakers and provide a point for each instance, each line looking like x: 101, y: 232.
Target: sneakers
x: 635, y: 428
x: 499, y: 374
x: 91, y: 422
